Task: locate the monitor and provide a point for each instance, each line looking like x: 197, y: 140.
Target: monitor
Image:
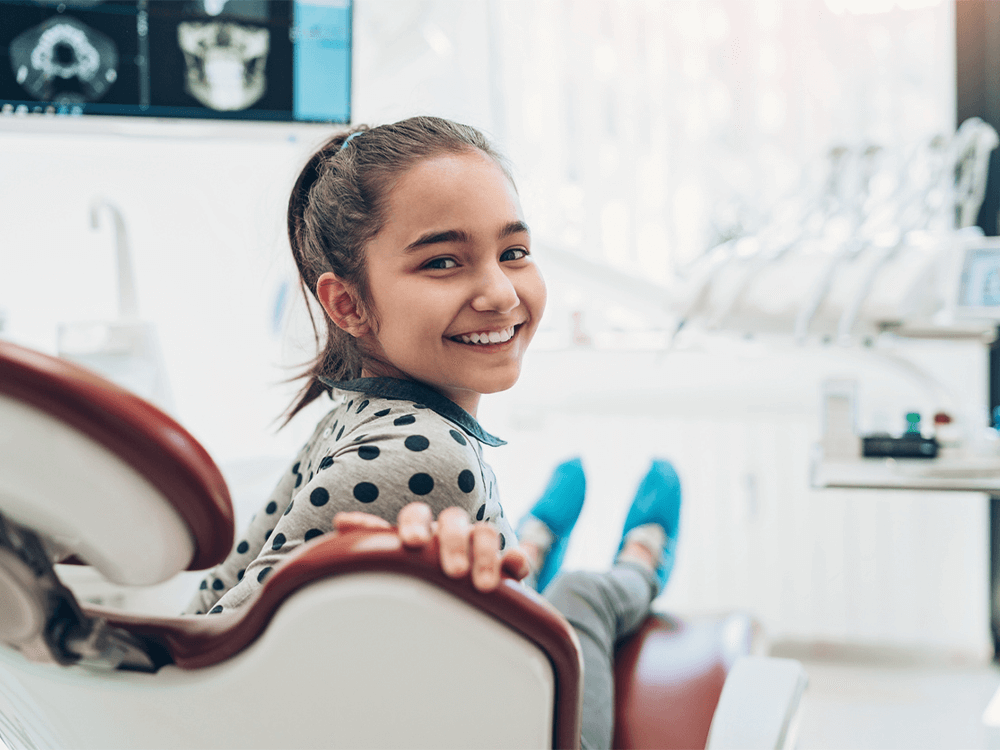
x: 978, y: 293
x: 265, y: 60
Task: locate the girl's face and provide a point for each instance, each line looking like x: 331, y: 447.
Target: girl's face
x: 452, y: 266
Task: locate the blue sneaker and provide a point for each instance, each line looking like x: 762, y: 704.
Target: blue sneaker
x: 657, y: 501
x: 557, y: 509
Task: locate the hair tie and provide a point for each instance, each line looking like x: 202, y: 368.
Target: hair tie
x: 348, y: 139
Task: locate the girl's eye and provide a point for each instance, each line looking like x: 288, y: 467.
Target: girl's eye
x: 515, y: 253
x: 441, y: 263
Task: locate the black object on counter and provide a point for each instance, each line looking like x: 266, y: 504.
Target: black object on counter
x: 908, y: 446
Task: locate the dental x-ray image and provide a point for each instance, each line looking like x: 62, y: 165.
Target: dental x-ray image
x: 215, y: 59
x: 68, y: 53
x: 65, y: 61
x: 226, y: 55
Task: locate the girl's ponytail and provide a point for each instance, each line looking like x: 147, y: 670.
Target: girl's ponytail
x: 334, y: 359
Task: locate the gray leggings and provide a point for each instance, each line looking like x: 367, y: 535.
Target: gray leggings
x: 602, y: 608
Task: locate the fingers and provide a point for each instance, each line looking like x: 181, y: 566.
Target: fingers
x: 464, y: 547
x: 453, y: 536
x: 353, y: 520
x: 485, y: 557
x: 515, y: 564
x: 415, y: 525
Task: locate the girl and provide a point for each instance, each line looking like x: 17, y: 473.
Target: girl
x: 411, y: 238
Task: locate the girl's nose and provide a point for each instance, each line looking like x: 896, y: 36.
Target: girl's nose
x: 495, y: 292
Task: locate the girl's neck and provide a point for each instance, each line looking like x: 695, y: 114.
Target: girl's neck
x: 468, y: 400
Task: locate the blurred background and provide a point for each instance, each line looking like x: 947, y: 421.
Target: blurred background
x: 749, y: 214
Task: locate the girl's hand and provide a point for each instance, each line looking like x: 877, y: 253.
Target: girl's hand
x: 464, y: 546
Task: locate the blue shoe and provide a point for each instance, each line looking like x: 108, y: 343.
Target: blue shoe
x: 657, y: 501
x: 558, y: 508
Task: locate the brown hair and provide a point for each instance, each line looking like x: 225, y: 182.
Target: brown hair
x: 338, y: 205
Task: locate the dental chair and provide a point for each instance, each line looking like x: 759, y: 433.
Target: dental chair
x: 353, y: 641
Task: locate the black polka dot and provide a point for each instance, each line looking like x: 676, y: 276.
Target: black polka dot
x: 204, y: 585
x: 295, y: 469
x: 319, y: 497
x: 365, y: 492
x: 341, y: 432
x: 310, y: 476
x: 350, y: 404
x: 289, y: 508
x: 326, y: 463
x: 263, y: 574
x: 239, y: 576
x: 268, y: 534
x: 404, y: 420
x: 421, y: 484
x: 199, y: 612
x: 481, y: 512
x: 218, y: 585
x: 503, y: 541
x: 467, y: 483
x: 359, y: 438
x: 242, y: 547
x: 361, y: 406
x: 334, y: 428
x: 368, y: 452
x: 271, y: 507
x: 313, y: 533
x: 298, y: 479
x: 417, y: 443
x: 278, y: 542
x: 215, y: 610
x: 420, y: 406
x: 459, y: 437
x: 382, y: 413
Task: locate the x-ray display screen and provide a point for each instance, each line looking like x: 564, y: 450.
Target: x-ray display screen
x: 980, y: 283
x: 280, y: 60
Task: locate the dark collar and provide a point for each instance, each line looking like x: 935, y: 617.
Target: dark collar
x: 421, y: 395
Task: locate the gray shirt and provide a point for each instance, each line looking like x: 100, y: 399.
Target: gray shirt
x: 385, y: 444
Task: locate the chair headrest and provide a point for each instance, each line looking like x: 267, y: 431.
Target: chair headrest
x: 104, y: 474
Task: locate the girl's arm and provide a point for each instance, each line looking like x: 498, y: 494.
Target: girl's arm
x: 465, y: 546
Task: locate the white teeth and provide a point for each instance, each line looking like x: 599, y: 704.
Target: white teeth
x: 491, y: 337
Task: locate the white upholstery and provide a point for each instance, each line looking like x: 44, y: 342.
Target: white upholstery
x: 759, y: 708
x: 64, y: 485
x: 357, y: 661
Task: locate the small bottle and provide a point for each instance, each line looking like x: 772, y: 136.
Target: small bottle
x: 947, y: 432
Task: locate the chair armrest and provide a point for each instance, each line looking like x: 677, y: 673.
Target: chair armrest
x: 759, y: 705
x: 43, y: 398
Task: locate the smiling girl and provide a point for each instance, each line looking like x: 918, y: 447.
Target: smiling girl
x: 412, y: 239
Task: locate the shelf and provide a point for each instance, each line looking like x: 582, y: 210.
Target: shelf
x: 959, y: 474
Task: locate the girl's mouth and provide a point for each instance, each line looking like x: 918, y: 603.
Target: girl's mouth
x: 487, y: 338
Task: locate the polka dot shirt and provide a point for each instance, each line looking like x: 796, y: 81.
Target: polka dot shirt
x: 386, y: 444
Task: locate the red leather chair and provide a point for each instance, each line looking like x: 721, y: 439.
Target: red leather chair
x: 353, y: 641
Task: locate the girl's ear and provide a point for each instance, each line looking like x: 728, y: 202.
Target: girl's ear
x: 341, y: 304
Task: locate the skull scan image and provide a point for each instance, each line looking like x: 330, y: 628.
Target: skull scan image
x: 65, y: 61
x: 225, y: 63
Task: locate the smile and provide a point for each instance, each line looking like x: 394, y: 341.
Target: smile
x: 486, y: 337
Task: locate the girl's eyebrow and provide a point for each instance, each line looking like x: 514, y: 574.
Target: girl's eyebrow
x: 459, y: 235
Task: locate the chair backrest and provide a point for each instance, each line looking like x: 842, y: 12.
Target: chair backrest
x: 104, y: 475
x: 352, y: 642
